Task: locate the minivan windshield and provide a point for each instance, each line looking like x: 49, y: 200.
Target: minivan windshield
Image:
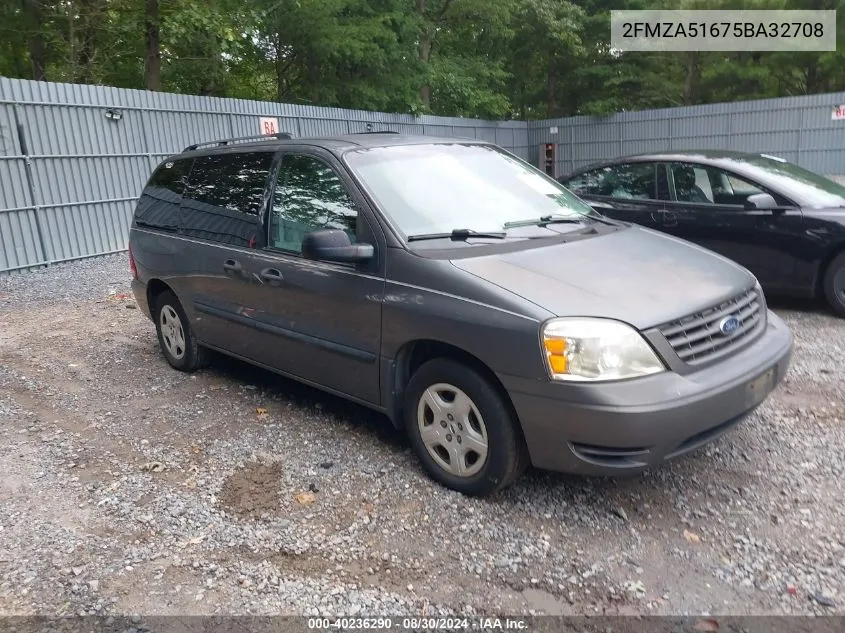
x: 440, y: 187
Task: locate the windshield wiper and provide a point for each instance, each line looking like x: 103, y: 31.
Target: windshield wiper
x: 557, y: 219
x: 600, y: 218
x: 457, y: 234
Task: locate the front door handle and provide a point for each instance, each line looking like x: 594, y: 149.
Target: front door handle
x: 272, y: 275
x: 232, y: 266
x: 664, y: 217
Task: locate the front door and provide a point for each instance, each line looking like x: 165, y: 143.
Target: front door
x: 319, y: 321
x: 631, y: 192
x: 707, y: 207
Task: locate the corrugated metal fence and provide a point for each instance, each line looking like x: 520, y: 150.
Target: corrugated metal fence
x: 799, y: 129
x: 70, y: 172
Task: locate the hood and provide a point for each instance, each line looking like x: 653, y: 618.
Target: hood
x: 635, y: 275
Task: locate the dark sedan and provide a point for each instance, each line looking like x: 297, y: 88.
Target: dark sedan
x: 784, y: 223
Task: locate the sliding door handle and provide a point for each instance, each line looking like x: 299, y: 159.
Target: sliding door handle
x: 272, y: 275
x: 232, y: 266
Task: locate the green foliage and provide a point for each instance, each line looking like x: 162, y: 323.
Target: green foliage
x: 474, y: 58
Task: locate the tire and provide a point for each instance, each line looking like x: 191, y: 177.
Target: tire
x: 175, y: 335
x: 480, y: 417
x: 834, y: 284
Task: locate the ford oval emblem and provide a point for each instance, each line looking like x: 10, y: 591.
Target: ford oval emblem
x: 729, y: 325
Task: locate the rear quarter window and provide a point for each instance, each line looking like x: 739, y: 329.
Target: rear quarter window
x: 225, y: 197
x: 158, y: 206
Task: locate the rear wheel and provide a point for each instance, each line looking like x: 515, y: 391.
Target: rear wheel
x: 834, y: 284
x: 175, y: 336
x: 462, y: 429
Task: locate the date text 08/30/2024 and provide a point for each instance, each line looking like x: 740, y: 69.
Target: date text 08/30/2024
x: 418, y: 624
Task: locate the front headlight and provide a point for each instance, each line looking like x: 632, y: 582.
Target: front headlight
x: 587, y: 349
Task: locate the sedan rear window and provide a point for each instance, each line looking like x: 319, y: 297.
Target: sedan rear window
x: 434, y: 188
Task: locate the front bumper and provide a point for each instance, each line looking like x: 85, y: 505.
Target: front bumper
x: 625, y: 427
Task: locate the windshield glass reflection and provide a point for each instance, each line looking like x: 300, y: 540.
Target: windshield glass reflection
x: 435, y: 188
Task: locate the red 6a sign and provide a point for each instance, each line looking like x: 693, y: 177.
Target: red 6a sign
x: 838, y: 112
x: 269, y: 125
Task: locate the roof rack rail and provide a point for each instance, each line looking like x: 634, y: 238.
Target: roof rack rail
x: 378, y: 132
x: 227, y: 141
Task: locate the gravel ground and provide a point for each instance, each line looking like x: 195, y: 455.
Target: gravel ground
x: 128, y: 487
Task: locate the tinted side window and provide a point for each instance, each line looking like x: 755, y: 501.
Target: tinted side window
x: 692, y: 183
x: 704, y: 184
x: 635, y: 181
x: 587, y: 183
x: 631, y: 181
x: 158, y: 205
x: 224, y: 198
x: 309, y: 196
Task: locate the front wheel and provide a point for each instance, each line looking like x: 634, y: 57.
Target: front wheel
x: 462, y: 429
x: 175, y: 335
x: 834, y: 284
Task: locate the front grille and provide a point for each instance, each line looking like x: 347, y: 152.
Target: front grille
x: 697, y: 338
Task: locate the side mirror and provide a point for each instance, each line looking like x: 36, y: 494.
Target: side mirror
x: 334, y: 245
x: 761, y: 202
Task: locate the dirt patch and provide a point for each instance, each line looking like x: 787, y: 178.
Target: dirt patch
x: 253, y: 491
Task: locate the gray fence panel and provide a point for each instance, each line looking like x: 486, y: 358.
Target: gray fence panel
x: 504, y: 137
x: 19, y: 245
x: 73, y: 130
x: 9, y: 143
x: 485, y: 134
x: 440, y: 130
x: 85, y: 169
x: 65, y: 179
x: 520, y: 136
x: 14, y: 192
x: 98, y: 227
x: 319, y: 127
x: 170, y: 131
x: 799, y: 129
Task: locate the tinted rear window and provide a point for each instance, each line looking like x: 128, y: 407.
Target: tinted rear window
x: 224, y: 199
x: 158, y: 206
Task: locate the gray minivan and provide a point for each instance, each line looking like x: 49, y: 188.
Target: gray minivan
x: 452, y: 286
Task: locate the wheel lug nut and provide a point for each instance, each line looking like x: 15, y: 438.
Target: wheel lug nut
x: 443, y: 423
x: 459, y: 439
x: 460, y: 426
x: 449, y: 437
x: 449, y: 415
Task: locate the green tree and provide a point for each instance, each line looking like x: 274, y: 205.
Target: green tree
x: 502, y: 59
